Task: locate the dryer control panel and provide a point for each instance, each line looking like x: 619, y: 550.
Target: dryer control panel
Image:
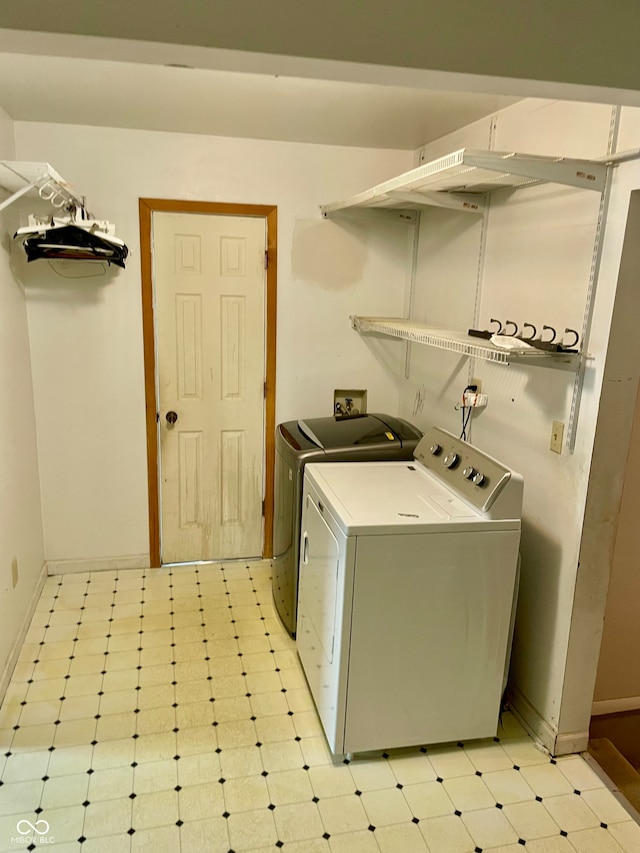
x: 478, y: 478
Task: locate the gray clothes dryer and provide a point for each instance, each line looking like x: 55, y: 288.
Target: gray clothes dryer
x: 365, y: 438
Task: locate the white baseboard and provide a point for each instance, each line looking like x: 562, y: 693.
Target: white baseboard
x: 541, y: 730
x: 16, y: 648
x: 103, y: 564
x: 615, y: 706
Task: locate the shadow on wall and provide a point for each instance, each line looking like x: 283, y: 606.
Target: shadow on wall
x: 328, y: 255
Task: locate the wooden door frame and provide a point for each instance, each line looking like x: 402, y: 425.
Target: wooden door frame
x: 147, y: 207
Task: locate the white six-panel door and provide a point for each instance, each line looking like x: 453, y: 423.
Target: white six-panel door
x: 209, y: 281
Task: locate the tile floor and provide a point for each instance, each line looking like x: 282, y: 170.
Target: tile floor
x: 166, y: 710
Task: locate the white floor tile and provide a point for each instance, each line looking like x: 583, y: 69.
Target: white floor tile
x: 446, y: 834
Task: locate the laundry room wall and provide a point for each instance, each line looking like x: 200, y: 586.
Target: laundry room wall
x: 532, y: 264
x: 86, y: 334
x: 21, y: 543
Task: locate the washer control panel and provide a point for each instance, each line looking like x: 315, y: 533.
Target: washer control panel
x: 477, y: 477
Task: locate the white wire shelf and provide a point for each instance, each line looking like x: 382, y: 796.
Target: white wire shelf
x: 460, y: 180
x: 22, y: 178
x: 458, y: 342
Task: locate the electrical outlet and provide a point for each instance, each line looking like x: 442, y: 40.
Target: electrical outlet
x: 14, y: 572
x: 557, y: 434
x: 473, y: 400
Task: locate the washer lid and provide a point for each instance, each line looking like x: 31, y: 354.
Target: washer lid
x: 377, y: 498
x: 356, y: 431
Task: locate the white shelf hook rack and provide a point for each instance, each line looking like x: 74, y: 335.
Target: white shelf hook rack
x: 23, y: 178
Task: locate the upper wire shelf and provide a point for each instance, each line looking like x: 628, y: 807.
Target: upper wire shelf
x: 462, y: 178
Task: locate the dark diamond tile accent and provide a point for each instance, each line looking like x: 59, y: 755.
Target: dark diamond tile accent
x: 226, y: 815
x: 258, y: 744
x: 132, y: 796
x: 604, y: 825
x: 90, y: 771
x: 371, y: 828
x: 38, y: 810
x: 553, y: 761
x: 522, y: 841
x: 176, y: 758
x: 271, y: 807
x: 516, y: 767
x: 134, y: 764
x: 95, y: 742
x: 458, y: 813
x: 222, y: 780
x: 326, y: 836
x: 358, y: 793
x: 498, y: 805
x: 440, y: 779
x: 399, y: 786
x: 218, y: 750
x: 478, y: 850
x: 305, y: 766
x: 576, y: 791
x: 563, y: 833
x: 86, y: 803
x: 315, y: 800
x: 478, y: 773
x: 538, y: 799
x: 415, y: 820
x: 45, y: 778
x: 130, y: 831
x: 179, y: 823
x: 81, y: 840
x: 264, y: 773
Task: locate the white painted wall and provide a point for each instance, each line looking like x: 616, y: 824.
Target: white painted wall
x: 537, y: 262
x: 20, y: 519
x: 86, y: 335
x: 619, y: 663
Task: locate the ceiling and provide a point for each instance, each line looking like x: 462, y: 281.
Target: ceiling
x: 146, y: 96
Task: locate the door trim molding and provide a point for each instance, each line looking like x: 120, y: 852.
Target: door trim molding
x: 146, y: 207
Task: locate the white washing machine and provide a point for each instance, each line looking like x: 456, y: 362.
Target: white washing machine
x: 408, y: 580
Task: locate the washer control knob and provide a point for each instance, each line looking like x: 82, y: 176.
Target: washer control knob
x: 451, y: 460
x: 479, y: 479
x: 469, y: 472
x: 435, y: 449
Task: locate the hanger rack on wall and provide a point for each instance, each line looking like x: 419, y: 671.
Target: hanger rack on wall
x: 22, y: 178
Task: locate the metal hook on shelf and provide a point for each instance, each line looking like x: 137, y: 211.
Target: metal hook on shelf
x: 573, y: 343
x: 553, y: 333
x: 47, y: 186
x: 510, y: 323
x: 492, y: 320
x: 532, y: 335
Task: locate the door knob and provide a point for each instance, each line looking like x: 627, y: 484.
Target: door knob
x: 172, y: 417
